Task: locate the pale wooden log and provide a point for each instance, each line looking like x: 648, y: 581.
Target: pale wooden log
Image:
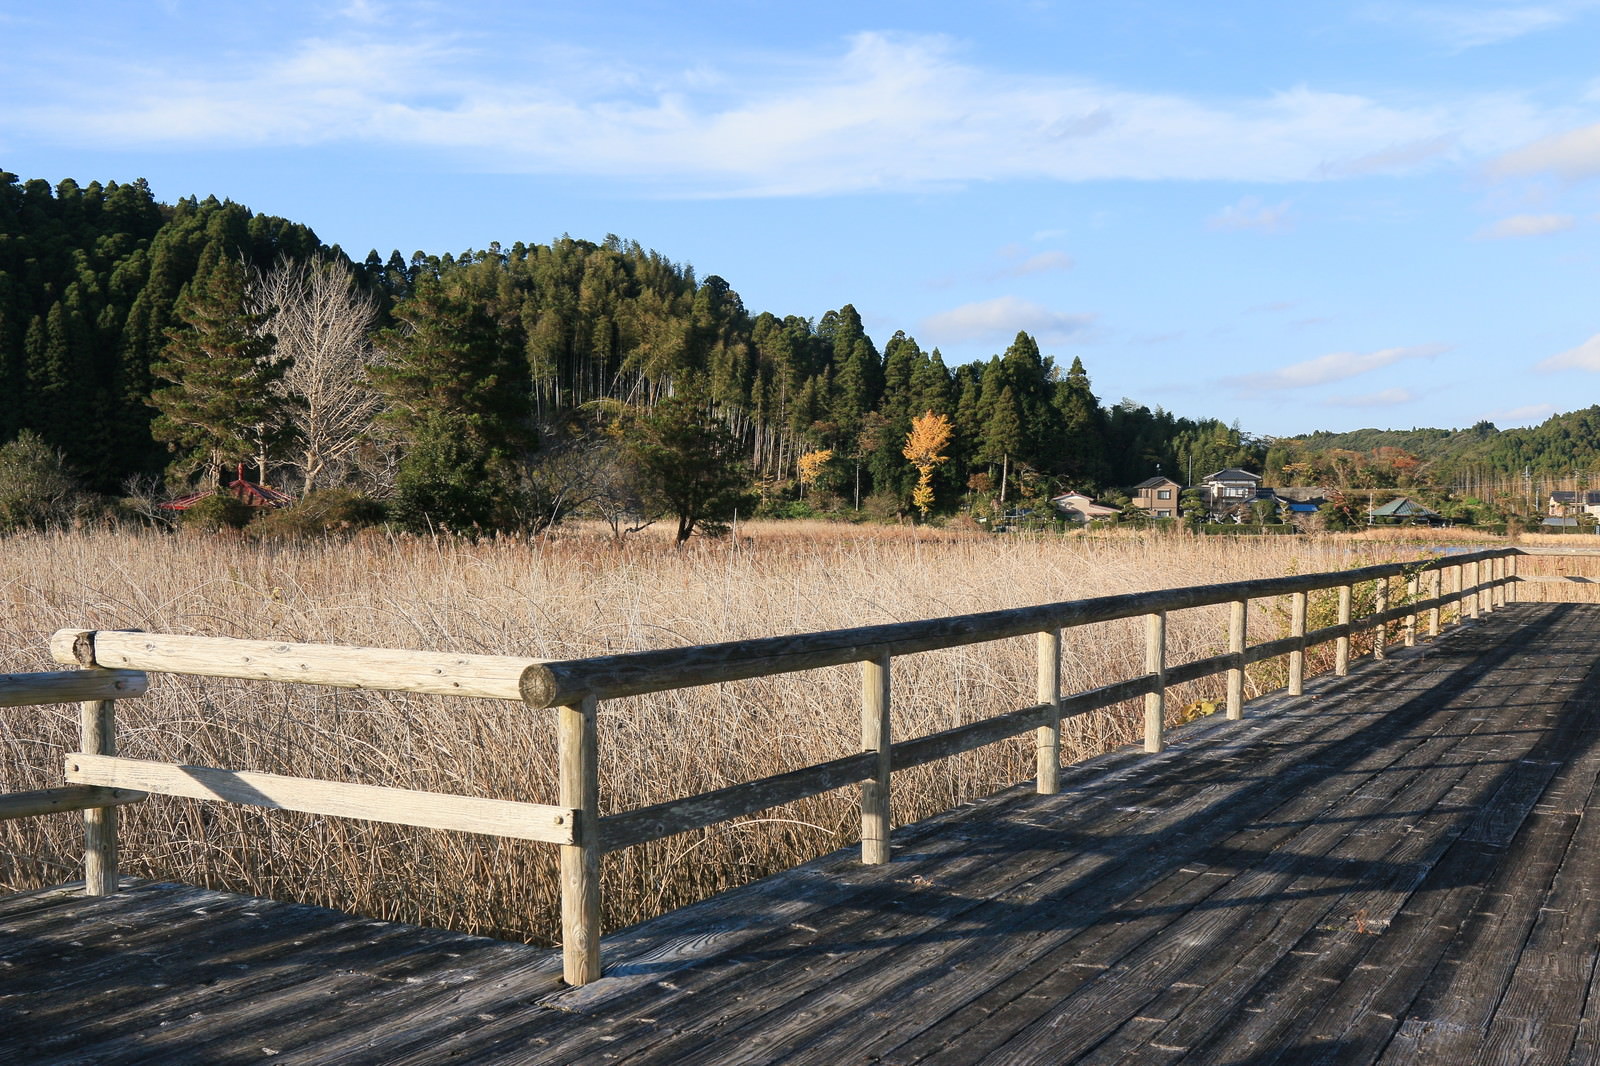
x: 636, y: 673
x: 1435, y: 591
x: 70, y: 686
x: 1412, y: 588
x: 1297, y: 631
x: 875, y: 739
x: 1380, y: 632
x: 1155, y: 665
x: 1341, y: 648
x: 57, y: 800
x: 374, y: 803
x: 644, y: 824
x: 338, y: 666
x: 1238, y: 622
x: 98, y: 737
x: 974, y: 735
x: 578, y: 757
x: 1047, y: 743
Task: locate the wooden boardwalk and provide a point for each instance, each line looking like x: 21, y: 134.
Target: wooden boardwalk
x: 1403, y: 866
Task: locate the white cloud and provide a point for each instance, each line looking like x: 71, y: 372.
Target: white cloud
x: 1464, y: 27
x: 885, y: 111
x: 1382, y: 398
x: 1336, y: 366
x: 1019, y: 264
x: 1527, y: 226
x: 1003, y: 317
x: 1585, y: 356
x: 1573, y: 155
x: 1251, y: 214
x: 1527, y: 414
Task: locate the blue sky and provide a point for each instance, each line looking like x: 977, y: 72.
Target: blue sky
x: 1296, y: 216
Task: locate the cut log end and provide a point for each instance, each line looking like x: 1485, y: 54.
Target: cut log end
x: 538, y: 686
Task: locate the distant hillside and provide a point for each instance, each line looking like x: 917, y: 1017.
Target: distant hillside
x: 1564, y: 445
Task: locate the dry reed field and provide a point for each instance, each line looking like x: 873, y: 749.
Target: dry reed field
x: 567, y: 597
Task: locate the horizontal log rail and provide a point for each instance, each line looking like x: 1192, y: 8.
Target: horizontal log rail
x: 1480, y: 580
x: 398, y: 806
x: 70, y: 686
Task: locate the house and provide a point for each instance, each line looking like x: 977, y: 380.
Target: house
x: 1406, y: 510
x: 248, y: 492
x: 1570, y: 504
x: 1158, y: 495
x: 1227, y: 489
x: 1076, y: 507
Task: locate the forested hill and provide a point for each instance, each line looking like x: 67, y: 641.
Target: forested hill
x: 1561, y: 446
x: 92, y: 278
x: 119, y: 315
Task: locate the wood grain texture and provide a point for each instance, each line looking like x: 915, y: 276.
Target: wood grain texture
x: 337, y: 666
x: 432, y: 810
x: 67, y: 798
x: 70, y: 686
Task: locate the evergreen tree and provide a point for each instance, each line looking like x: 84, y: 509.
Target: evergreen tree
x: 220, y: 407
x: 692, y: 466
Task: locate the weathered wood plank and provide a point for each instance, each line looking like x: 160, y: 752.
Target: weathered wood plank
x: 338, y: 666
x: 70, y: 686
x: 432, y: 810
x: 57, y: 800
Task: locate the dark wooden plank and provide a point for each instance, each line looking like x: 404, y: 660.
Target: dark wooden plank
x: 934, y: 962
x: 1238, y: 930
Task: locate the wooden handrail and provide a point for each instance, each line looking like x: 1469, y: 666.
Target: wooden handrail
x: 575, y: 687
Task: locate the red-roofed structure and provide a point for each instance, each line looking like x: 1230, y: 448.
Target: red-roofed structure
x: 240, y: 488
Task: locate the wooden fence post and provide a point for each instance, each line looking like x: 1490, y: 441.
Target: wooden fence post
x: 875, y: 738
x: 1048, y: 753
x: 1435, y: 590
x: 1413, y: 584
x: 1498, y: 597
x: 1341, y: 645
x: 1380, y: 633
x: 1155, y: 662
x: 579, y: 759
x: 1297, y: 630
x: 1511, y: 572
x: 1238, y: 615
x: 1475, y: 601
x: 98, y: 727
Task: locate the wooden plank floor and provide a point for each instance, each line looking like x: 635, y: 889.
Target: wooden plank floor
x: 1401, y: 867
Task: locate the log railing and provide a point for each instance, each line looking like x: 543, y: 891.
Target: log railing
x: 1477, y: 581
x: 95, y: 692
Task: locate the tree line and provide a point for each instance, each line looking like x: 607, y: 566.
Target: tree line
x: 509, y: 386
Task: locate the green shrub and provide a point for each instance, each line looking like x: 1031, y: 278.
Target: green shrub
x: 220, y: 510
x: 330, y: 511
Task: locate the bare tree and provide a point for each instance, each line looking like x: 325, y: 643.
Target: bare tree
x: 322, y: 323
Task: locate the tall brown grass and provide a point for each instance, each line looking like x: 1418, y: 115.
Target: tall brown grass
x: 566, y: 597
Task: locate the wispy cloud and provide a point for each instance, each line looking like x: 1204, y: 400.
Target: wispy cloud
x: 1526, y: 226
x: 1524, y: 415
x: 1251, y: 214
x: 1585, y: 356
x: 1382, y: 398
x: 1325, y: 369
x: 1002, y: 318
x: 1019, y: 264
x: 884, y: 111
x: 1573, y: 155
x: 1462, y: 26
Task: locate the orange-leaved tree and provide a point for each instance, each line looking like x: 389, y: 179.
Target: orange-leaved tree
x: 927, y: 439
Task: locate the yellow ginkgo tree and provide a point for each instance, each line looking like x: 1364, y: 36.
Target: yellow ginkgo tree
x: 929, y: 435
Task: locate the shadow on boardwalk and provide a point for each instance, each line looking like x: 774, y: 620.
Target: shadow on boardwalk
x: 1395, y: 867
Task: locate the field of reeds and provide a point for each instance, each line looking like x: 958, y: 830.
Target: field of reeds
x: 565, y: 597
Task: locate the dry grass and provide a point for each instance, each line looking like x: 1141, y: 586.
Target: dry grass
x: 569, y: 597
